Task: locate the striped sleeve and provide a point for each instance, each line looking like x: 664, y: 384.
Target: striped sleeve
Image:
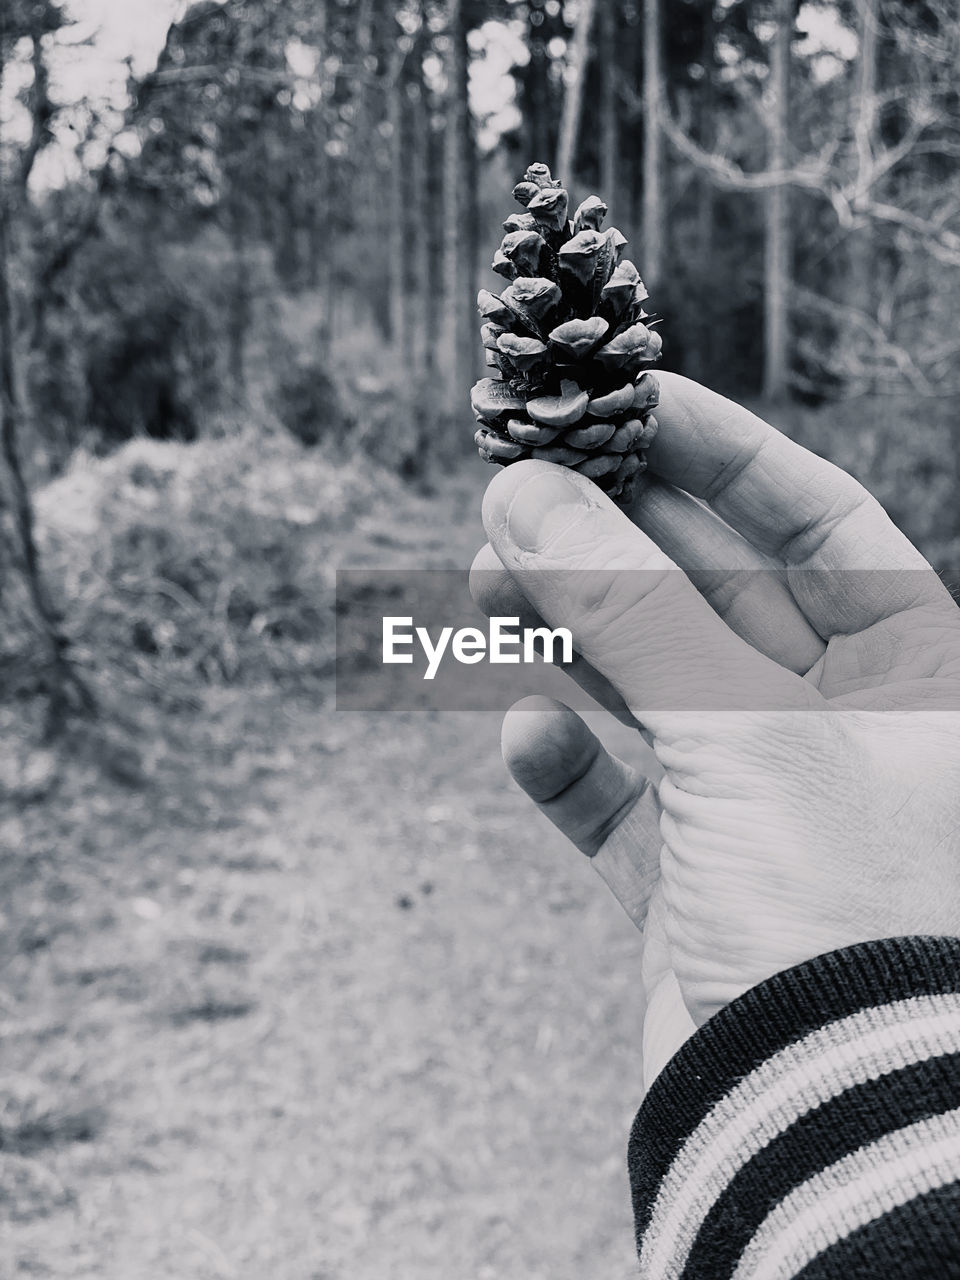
x: 812, y: 1128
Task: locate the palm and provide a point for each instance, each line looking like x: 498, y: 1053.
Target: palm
x: 900, y: 663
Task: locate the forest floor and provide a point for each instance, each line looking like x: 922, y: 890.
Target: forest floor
x: 323, y: 998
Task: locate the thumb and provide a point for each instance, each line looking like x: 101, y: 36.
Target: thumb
x: 633, y: 614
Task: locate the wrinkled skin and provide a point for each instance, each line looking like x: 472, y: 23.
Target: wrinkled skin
x: 794, y: 664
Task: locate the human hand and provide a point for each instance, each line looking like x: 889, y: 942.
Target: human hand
x: 799, y: 684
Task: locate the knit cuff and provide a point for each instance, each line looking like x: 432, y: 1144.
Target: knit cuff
x: 812, y: 1127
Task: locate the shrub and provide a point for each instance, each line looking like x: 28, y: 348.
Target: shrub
x: 306, y: 401
x: 212, y: 561
x: 133, y: 349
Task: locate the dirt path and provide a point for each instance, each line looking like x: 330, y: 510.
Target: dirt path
x: 338, y: 1006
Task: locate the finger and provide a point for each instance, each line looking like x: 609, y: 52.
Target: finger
x: 792, y: 505
x: 496, y: 592
x: 745, y: 587
x: 632, y: 614
x: 741, y: 584
x: 599, y: 803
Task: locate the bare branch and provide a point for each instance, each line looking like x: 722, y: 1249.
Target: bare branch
x: 941, y: 242
x: 886, y: 349
x: 848, y: 199
x: 872, y: 168
x: 219, y: 72
x: 726, y: 173
x: 866, y: 105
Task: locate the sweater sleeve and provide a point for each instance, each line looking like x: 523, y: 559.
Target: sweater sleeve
x: 812, y: 1128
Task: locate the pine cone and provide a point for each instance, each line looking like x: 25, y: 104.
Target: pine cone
x: 569, y: 340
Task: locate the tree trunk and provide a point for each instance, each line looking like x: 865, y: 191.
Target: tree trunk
x: 398, y: 213
x: 366, y: 190
x: 322, y: 242
x: 609, y: 111
x: 576, y: 74
x: 316, y: 165
x: 460, y: 215
x: 435, y: 230
x: 66, y: 690
x: 240, y: 306
x: 322, y: 246
x: 422, y: 219
x: 863, y: 267
x: 537, y: 96
x: 777, y: 228
x: 698, y: 356
x: 362, y: 112
x: 653, y: 101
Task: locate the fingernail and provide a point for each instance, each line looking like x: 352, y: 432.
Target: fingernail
x: 543, y: 507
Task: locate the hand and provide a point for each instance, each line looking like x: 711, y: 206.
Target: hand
x: 799, y: 684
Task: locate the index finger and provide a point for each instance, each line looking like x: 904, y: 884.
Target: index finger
x: 796, y: 507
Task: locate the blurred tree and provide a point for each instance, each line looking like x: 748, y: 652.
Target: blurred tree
x: 29, y: 24
x: 422, y: 255
x: 461, y: 231
x: 319, y: 158
x: 399, y: 228
x: 862, y: 267
x: 608, y: 104
x: 575, y: 75
x: 287, y: 222
x: 215, y: 124
x: 777, y: 264
x: 653, y: 104
x: 540, y: 80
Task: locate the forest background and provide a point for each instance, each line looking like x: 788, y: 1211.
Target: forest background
x: 283, y: 225
x: 238, y: 275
